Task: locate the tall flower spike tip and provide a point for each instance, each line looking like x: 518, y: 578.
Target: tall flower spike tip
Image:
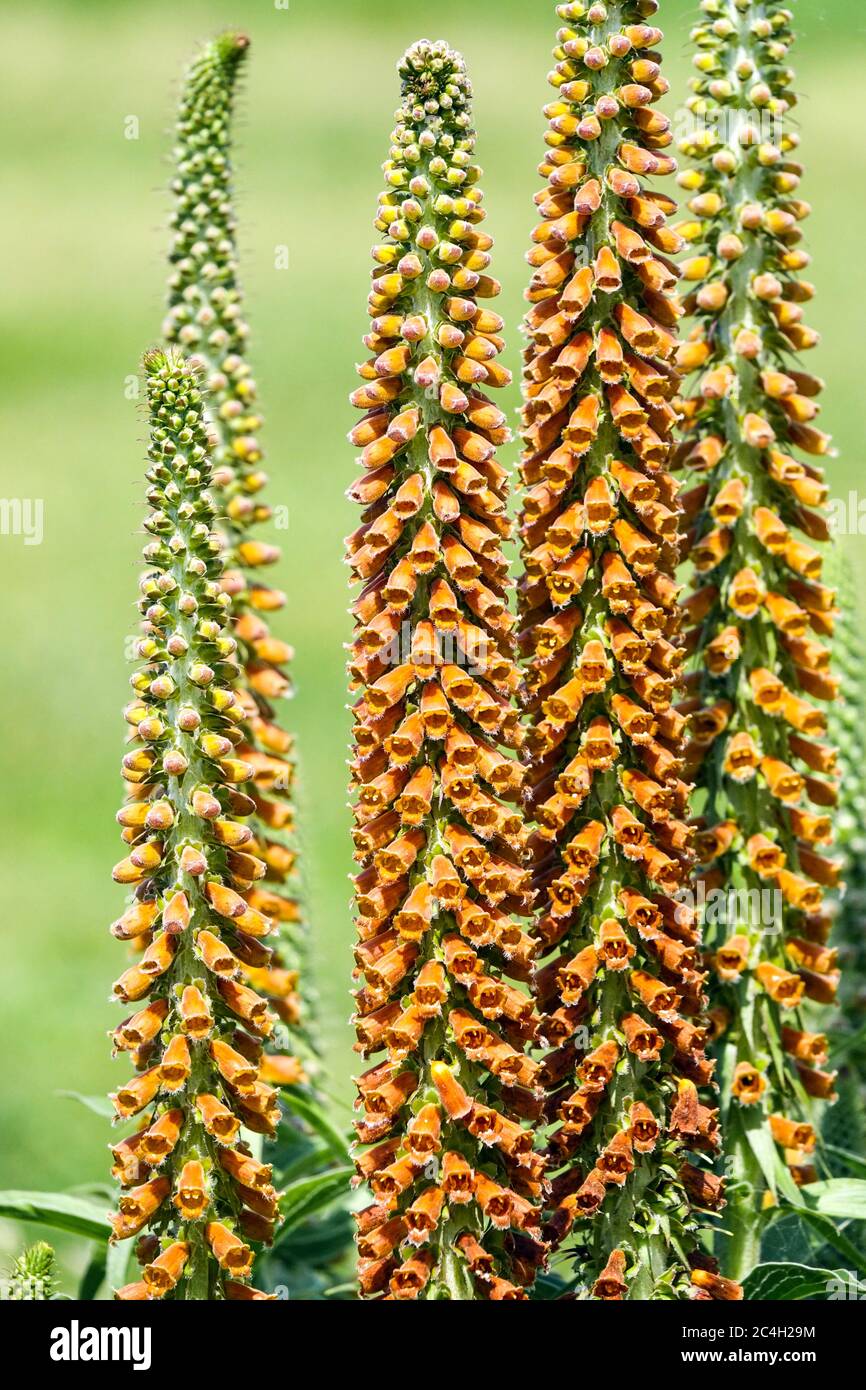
x: 758, y: 611
x: 622, y: 987
x: 439, y: 834
x: 206, y: 318
x: 191, y: 1187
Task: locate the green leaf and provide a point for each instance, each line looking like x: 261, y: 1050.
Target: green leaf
x: 787, y: 1239
x: 790, y: 1283
x: 855, y: 1162
x: 104, y: 1192
x: 776, y: 1173
x: 548, y: 1286
x: 832, y: 1236
x: 312, y: 1160
x: 309, y: 1195
x: 57, y: 1209
x: 842, y: 1198
x: 313, y: 1114
x: 329, y: 1234
x: 844, y: 1044
x: 100, y: 1105
x: 117, y: 1264
x: 94, y: 1274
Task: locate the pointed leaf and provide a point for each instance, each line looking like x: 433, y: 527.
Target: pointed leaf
x: 855, y: 1162
x: 91, y: 1279
x: 842, y: 1198
x: 314, y: 1115
x: 57, y: 1209
x: 776, y: 1173
x: 100, y: 1105
x: 309, y: 1195
x: 117, y: 1264
x: 832, y: 1236
x: 792, y: 1283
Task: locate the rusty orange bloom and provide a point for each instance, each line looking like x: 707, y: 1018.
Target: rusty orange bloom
x: 759, y: 618
x: 206, y: 317
x: 605, y: 756
x: 195, y: 1039
x: 443, y: 1013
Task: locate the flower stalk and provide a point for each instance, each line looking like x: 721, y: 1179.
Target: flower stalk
x: 759, y: 615
x: 621, y: 988
x: 439, y: 834
x: 192, y: 1190
x: 206, y: 318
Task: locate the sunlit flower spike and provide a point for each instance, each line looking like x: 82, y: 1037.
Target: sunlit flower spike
x: 206, y: 318
x: 442, y: 1006
x: 759, y: 614
x: 192, y: 1190
x: 621, y: 988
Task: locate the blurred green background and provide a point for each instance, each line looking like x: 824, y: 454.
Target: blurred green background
x: 81, y: 244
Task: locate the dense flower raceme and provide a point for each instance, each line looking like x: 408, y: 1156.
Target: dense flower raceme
x: 191, y: 1187
x: 439, y: 833
x: 759, y: 614
x: 206, y: 318
x: 622, y: 988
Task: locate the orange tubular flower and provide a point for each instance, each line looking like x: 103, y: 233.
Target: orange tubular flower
x: 755, y: 462
x: 205, y: 317
x: 187, y: 1177
x: 440, y: 838
x: 605, y: 761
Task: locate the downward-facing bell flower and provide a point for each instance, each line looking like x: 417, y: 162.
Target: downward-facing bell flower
x: 194, y: 1034
x: 206, y: 318
x: 759, y: 615
x: 621, y: 988
x: 439, y: 834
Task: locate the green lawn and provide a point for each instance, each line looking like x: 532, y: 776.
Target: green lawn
x: 82, y: 241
